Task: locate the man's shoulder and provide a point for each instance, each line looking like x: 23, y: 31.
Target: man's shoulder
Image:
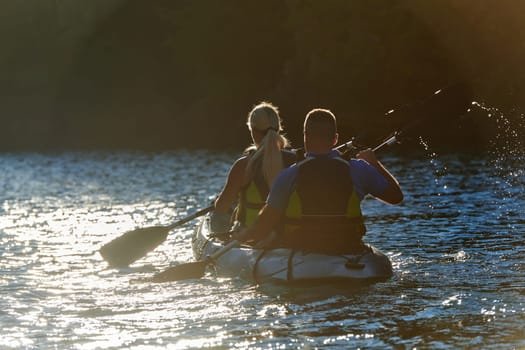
x: 287, y: 173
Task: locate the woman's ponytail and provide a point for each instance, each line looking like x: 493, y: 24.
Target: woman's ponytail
x: 265, y: 118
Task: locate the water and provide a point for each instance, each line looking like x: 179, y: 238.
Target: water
x: 457, y: 246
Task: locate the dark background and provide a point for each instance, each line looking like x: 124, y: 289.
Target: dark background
x: 167, y: 74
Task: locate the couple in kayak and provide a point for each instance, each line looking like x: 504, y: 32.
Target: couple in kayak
x: 311, y: 204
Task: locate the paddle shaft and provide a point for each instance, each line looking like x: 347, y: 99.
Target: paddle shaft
x: 222, y: 251
x: 191, y: 217
x: 350, y: 145
x: 387, y: 142
x: 192, y: 270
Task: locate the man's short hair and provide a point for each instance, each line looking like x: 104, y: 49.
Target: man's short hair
x: 320, y: 122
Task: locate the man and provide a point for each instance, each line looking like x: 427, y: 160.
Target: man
x: 314, y: 205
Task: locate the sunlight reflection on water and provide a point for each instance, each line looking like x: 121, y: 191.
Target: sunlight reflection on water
x: 459, y: 277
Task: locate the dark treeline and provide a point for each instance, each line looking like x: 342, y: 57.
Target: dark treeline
x: 167, y: 74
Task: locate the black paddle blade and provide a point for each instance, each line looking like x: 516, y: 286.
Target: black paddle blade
x: 182, y: 272
x: 133, y: 245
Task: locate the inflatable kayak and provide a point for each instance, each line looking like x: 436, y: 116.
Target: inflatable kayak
x: 287, y: 266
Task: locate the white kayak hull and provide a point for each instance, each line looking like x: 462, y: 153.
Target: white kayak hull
x: 287, y: 266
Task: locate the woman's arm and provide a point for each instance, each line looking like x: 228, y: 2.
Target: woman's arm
x: 234, y: 183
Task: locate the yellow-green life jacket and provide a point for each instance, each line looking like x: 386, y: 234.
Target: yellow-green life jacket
x: 323, y: 212
x: 253, y: 195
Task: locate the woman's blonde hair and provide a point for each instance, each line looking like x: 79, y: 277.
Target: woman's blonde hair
x: 265, y: 118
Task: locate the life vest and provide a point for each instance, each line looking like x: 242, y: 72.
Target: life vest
x: 323, y: 212
x: 253, y: 195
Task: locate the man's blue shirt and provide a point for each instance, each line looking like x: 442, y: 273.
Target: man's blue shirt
x: 365, y: 178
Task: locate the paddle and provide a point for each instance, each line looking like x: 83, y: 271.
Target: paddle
x: 450, y: 101
x: 192, y: 270
x: 135, y: 244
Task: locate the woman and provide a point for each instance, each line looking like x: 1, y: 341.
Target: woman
x: 251, y: 176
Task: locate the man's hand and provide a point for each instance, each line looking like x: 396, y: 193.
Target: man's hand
x: 368, y: 155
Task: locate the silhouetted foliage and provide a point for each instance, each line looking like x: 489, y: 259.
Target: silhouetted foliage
x: 165, y: 74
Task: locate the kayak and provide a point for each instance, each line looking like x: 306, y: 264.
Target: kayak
x: 288, y: 266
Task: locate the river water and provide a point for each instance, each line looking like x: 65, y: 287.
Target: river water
x: 456, y: 243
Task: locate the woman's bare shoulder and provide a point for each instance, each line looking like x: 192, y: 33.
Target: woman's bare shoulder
x: 238, y: 168
x: 241, y: 162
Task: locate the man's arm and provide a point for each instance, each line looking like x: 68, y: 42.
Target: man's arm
x: 393, y: 193
x: 271, y: 214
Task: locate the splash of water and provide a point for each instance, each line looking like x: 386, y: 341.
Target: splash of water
x: 507, y: 152
x: 439, y: 170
